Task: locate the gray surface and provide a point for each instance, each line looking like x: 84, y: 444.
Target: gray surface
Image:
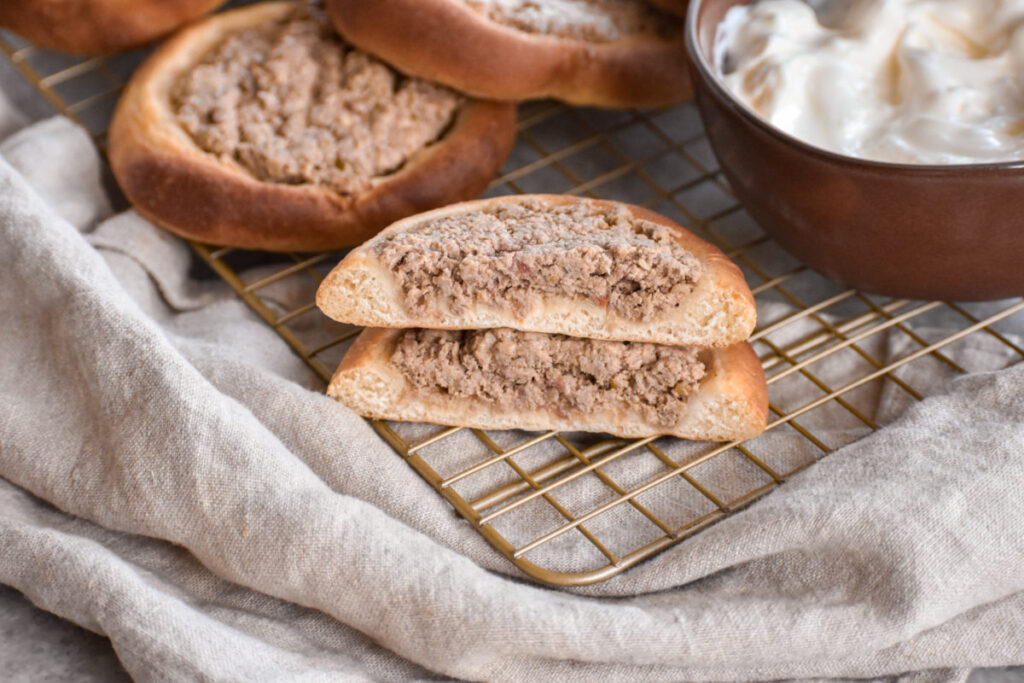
x: 1013, y: 675
x: 38, y: 646
x: 22, y: 93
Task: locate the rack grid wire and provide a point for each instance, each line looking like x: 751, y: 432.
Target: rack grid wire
x: 662, y: 160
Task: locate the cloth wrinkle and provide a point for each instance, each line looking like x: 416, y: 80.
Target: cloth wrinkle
x: 172, y: 477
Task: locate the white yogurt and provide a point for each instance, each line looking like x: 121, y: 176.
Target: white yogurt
x: 909, y: 81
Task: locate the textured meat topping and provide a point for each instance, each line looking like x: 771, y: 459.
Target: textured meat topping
x: 525, y: 371
x: 510, y: 255
x: 293, y: 104
x: 596, y: 21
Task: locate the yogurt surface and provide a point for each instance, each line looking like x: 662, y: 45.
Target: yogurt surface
x: 907, y: 81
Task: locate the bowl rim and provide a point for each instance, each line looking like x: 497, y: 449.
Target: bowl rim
x: 710, y: 79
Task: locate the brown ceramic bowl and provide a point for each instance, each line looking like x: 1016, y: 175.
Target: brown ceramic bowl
x: 923, y: 232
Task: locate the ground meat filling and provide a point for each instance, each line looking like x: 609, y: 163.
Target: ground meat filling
x: 293, y: 104
x: 596, y: 21
x: 526, y: 371
x: 511, y: 255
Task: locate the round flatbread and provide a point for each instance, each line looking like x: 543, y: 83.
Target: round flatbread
x: 260, y: 128
x: 93, y: 27
x: 609, y: 53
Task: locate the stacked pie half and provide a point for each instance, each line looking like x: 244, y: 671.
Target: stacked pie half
x: 548, y: 312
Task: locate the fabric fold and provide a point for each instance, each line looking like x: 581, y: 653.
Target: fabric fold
x: 160, y: 416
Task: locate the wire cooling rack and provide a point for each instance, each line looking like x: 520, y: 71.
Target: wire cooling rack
x: 572, y: 509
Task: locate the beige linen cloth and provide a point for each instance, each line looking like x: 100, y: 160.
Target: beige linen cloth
x: 172, y: 477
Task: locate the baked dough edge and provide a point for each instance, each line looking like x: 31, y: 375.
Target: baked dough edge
x: 182, y: 188
x: 449, y: 42
x: 719, y: 312
x: 731, y: 403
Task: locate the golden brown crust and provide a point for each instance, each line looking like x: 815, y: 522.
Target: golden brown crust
x: 372, y: 346
x: 448, y: 42
x: 742, y: 378
x: 194, y: 194
x: 731, y: 403
x: 719, y: 312
x: 90, y: 27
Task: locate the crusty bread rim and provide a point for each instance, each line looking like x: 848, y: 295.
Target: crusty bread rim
x: 186, y: 190
x: 91, y: 27
x: 362, y: 291
x: 449, y: 42
x: 730, y: 404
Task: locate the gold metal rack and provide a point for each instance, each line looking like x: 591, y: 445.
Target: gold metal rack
x: 521, y: 491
